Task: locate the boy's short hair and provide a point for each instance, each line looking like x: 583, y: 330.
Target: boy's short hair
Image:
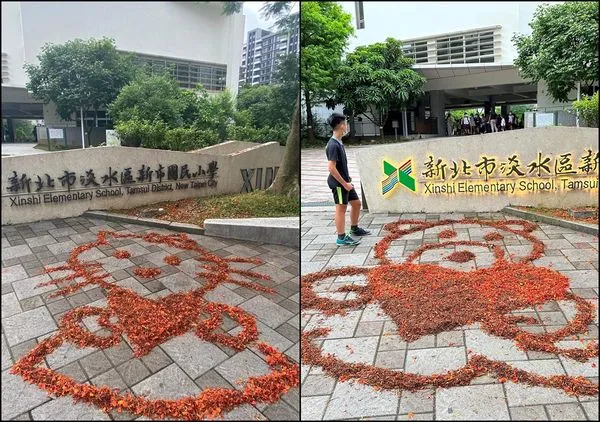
x: 335, y: 119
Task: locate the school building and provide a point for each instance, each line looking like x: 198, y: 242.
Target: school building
x: 465, y: 52
x: 202, y: 44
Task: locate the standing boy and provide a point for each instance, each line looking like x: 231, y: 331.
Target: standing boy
x: 339, y: 182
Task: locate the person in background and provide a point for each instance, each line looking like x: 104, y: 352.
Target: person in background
x: 493, y: 127
x: 511, y: 121
x: 449, y: 125
x: 471, y: 124
x: 477, y: 123
x: 502, y: 124
x: 466, y: 125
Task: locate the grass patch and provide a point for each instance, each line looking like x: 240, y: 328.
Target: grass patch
x: 247, y: 205
x: 564, y: 213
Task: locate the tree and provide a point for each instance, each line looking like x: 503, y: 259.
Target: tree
x: 287, y: 180
x: 154, y: 98
x: 325, y: 30
x: 377, y: 77
x: 588, y: 109
x: 562, y: 49
x: 79, y: 75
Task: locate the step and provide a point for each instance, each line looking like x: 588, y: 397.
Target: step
x: 275, y: 230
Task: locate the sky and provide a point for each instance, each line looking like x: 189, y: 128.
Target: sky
x: 255, y: 20
x: 405, y: 20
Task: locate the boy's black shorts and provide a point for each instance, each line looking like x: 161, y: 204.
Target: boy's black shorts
x: 342, y: 196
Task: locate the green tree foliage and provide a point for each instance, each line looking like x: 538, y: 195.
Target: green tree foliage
x: 23, y: 131
x: 79, y: 74
x: 154, y: 98
x: 324, y: 32
x: 588, y: 109
x: 562, y: 48
x: 377, y: 77
x: 287, y: 180
x: 154, y: 112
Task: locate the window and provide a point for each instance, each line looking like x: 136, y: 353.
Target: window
x: 5, y: 73
x: 474, y: 47
x: 189, y: 73
x: 416, y: 51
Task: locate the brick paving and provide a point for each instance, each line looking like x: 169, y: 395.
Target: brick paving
x: 313, y: 177
x: 369, y: 335
x: 182, y: 366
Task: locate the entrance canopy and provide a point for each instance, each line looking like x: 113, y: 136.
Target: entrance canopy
x: 17, y: 103
x: 471, y: 85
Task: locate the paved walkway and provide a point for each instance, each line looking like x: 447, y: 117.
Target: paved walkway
x: 369, y: 335
x: 313, y: 176
x: 21, y: 149
x: 180, y: 367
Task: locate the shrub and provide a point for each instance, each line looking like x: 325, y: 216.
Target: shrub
x: 588, y: 109
x: 135, y: 133
x: 188, y: 139
x: 278, y: 133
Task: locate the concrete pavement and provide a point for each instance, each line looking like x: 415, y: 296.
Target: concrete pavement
x: 179, y: 367
x: 369, y: 335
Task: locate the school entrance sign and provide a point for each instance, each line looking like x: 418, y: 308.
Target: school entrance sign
x: 543, y: 167
x: 68, y: 183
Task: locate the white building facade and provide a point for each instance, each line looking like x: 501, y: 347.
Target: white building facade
x: 204, y: 45
x: 463, y: 49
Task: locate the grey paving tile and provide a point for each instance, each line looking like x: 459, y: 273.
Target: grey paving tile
x: 66, y: 354
x: 361, y: 349
x: 421, y: 401
x: 6, y: 358
x: 132, y: 371
x: 318, y: 385
x: 281, y: 411
x: 74, y: 371
x: 15, y: 251
x: 194, y: 355
x: 565, y: 412
x: 169, y: 383
x: 493, y: 347
x: 393, y: 359
x: 241, y: 366
x: 95, y: 364
x: 156, y: 360
x: 478, y: 402
x: 268, y: 312
x: 10, y: 305
x: 313, y: 408
x: 28, y: 325
x: 12, y: 273
x: 523, y: 395
x: 434, y: 361
x: 19, y: 396
x: 31, y: 303
x: 528, y: 413
x: 591, y: 409
x: 357, y: 400
x: 212, y: 379
x: 111, y: 379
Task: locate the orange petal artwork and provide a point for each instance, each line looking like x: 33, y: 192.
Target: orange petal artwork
x: 148, y: 323
x: 424, y: 299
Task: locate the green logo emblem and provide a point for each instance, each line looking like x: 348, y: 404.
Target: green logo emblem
x: 399, y: 175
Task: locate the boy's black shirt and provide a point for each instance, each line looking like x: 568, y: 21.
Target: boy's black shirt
x: 335, y: 152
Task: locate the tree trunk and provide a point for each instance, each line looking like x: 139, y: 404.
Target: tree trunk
x: 309, y: 117
x: 287, y: 180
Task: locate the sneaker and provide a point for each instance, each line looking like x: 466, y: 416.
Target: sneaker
x: 346, y: 241
x: 360, y: 232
